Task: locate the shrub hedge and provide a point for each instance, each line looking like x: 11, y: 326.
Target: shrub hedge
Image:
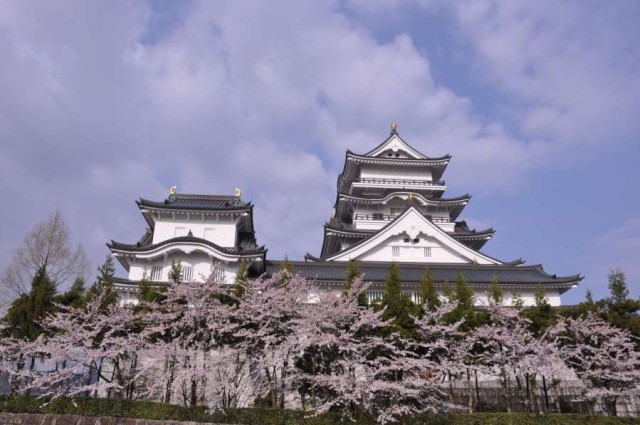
x: 150, y: 410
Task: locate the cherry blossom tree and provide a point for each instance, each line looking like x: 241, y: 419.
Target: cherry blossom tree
x: 602, y: 354
x: 370, y: 370
x: 266, y: 329
x: 93, y: 350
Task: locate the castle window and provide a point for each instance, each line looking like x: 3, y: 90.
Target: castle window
x: 180, y: 231
x: 187, y: 274
x: 395, y: 251
x: 156, y: 274
x: 208, y: 233
x: 427, y: 251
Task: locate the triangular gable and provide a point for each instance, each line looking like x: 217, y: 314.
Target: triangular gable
x: 395, y: 144
x: 413, y: 238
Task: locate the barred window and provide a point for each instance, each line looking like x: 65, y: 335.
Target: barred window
x: 395, y: 251
x: 156, y: 273
x: 187, y: 274
x: 427, y: 251
x: 180, y: 231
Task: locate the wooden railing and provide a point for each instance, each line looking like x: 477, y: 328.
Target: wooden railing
x: 404, y: 182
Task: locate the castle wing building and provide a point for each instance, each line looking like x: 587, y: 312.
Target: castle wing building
x: 196, y: 231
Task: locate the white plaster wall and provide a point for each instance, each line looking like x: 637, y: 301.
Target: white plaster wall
x: 201, y: 264
x: 527, y: 297
x: 410, y: 252
x: 372, y: 171
x: 224, y: 230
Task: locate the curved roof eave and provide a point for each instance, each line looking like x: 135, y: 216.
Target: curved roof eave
x: 225, y: 251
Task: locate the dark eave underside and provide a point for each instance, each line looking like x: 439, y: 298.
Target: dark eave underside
x: 411, y: 273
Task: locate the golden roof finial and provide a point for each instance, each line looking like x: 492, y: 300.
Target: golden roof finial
x: 394, y: 127
x: 173, y: 190
x: 238, y: 192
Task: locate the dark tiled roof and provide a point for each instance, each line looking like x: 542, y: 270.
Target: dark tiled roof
x: 368, y: 154
x: 147, y: 238
x: 240, y: 250
x: 411, y: 273
x: 461, y: 230
x: 197, y: 202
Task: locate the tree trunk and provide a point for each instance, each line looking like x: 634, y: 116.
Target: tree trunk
x: 167, y: 393
x: 546, y: 393
x: 193, y: 398
x: 469, y: 392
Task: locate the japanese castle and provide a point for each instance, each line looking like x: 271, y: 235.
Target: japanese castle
x: 389, y: 208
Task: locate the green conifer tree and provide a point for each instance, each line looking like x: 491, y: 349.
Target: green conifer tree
x: 175, y: 273
x: 242, y: 278
x: 75, y: 296
x: 463, y: 293
x: 25, y: 313
x: 104, y: 281
x: 618, y: 286
x: 495, y: 293
x: 428, y: 292
x: 398, y: 305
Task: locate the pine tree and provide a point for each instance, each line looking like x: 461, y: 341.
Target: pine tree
x: 353, y: 272
x: 516, y: 300
x: 428, y: 293
x: 286, y: 272
x: 463, y: 293
x: 175, y: 274
x: 147, y: 291
x: 495, y: 293
x: 398, y: 306
x: 242, y: 278
x: 75, y: 296
x: 541, y: 315
x: 104, y: 281
x: 618, y: 286
x: 25, y: 313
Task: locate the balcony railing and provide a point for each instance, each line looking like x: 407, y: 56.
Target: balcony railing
x: 389, y: 217
x: 375, y: 216
x: 403, y: 182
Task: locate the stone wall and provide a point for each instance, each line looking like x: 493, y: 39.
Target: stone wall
x: 40, y: 419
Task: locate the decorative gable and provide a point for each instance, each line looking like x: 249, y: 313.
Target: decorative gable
x: 412, y: 238
x: 394, y: 147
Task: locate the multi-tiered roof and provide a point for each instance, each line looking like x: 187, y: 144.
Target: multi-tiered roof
x: 390, y: 208
x: 375, y: 188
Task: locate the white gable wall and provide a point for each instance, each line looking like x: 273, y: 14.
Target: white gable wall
x: 396, y: 249
x: 221, y: 232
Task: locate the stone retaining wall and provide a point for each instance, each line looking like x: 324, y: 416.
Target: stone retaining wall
x: 42, y: 419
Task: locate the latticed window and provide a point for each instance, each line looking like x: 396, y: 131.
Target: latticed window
x: 209, y: 233
x: 217, y: 274
x: 187, y: 274
x: 156, y: 273
x: 395, y: 251
x: 373, y: 296
x: 180, y: 231
x: 427, y: 251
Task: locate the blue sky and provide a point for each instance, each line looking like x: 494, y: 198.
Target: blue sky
x: 538, y: 102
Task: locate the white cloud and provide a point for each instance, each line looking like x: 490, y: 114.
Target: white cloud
x: 266, y: 96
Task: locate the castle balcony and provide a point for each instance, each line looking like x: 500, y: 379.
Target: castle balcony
x: 379, y: 220
x: 361, y: 184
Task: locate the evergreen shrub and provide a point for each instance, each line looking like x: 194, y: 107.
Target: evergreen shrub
x: 137, y: 409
